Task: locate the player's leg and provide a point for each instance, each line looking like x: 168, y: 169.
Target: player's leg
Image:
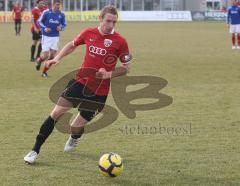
x: 39, y: 49
x: 52, y: 54
x: 88, y: 108
x: 238, y: 41
x: 238, y: 36
x: 76, y: 129
x: 47, y: 127
x: 46, y: 46
x: 53, y: 45
x: 39, y: 37
x: 65, y: 102
x: 36, y: 38
x: 43, y: 57
x: 232, y: 31
x: 19, y: 26
x: 233, y: 41
x: 16, y: 31
x: 33, y: 47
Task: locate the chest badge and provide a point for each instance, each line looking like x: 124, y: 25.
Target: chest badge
x: 107, y: 42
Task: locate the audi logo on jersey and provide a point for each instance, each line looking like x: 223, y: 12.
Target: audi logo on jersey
x: 97, y: 50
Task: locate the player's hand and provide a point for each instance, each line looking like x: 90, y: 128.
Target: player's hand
x: 36, y: 30
x: 49, y: 63
x: 47, y: 30
x: 59, y: 28
x: 103, y: 74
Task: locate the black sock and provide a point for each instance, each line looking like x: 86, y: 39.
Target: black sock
x: 39, y: 50
x: 16, y: 29
x: 33, y: 48
x: 19, y: 29
x: 76, y: 135
x: 45, y: 130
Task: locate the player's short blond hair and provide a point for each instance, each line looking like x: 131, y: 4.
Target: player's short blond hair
x: 57, y: 1
x: 109, y: 9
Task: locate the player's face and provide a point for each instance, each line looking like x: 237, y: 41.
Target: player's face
x: 41, y: 4
x: 234, y: 2
x: 57, y: 6
x: 107, y: 23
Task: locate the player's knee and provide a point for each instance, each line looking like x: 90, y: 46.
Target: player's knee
x: 55, y: 114
x: 79, y: 122
x: 88, y: 115
x: 51, y: 56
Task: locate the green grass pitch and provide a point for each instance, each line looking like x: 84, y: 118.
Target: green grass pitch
x: 203, y: 74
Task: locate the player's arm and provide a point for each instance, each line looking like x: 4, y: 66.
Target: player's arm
x: 63, y: 24
x: 67, y: 49
x: 228, y: 17
x: 34, y: 22
x: 125, y: 58
x: 119, y: 71
x: 41, y: 20
x: 13, y: 14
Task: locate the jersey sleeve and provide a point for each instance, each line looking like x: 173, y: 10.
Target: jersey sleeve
x: 41, y: 20
x: 63, y: 22
x: 80, y: 38
x: 123, y: 53
x: 34, y: 16
x: 228, y: 16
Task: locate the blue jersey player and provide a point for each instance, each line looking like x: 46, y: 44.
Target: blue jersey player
x: 51, y: 22
x: 233, y: 20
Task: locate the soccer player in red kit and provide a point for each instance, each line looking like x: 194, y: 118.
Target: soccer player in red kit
x: 104, y: 47
x: 36, y: 30
x: 17, y: 14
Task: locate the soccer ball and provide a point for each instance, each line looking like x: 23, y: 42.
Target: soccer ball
x: 110, y: 165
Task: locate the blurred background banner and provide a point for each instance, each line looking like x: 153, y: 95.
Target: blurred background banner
x: 209, y: 16
x: 215, y: 16
x: 130, y: 10
x: 128, y: 5
x: 123, y: 16
x: 155, y: 16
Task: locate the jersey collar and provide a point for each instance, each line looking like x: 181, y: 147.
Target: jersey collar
x: 112, y: 32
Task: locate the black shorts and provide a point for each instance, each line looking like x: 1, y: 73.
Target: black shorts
x: 87, y: 102
x: 18, y: 21
x: 36, y: 35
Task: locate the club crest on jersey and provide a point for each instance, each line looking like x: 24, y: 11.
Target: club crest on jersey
x: 107, y: 42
